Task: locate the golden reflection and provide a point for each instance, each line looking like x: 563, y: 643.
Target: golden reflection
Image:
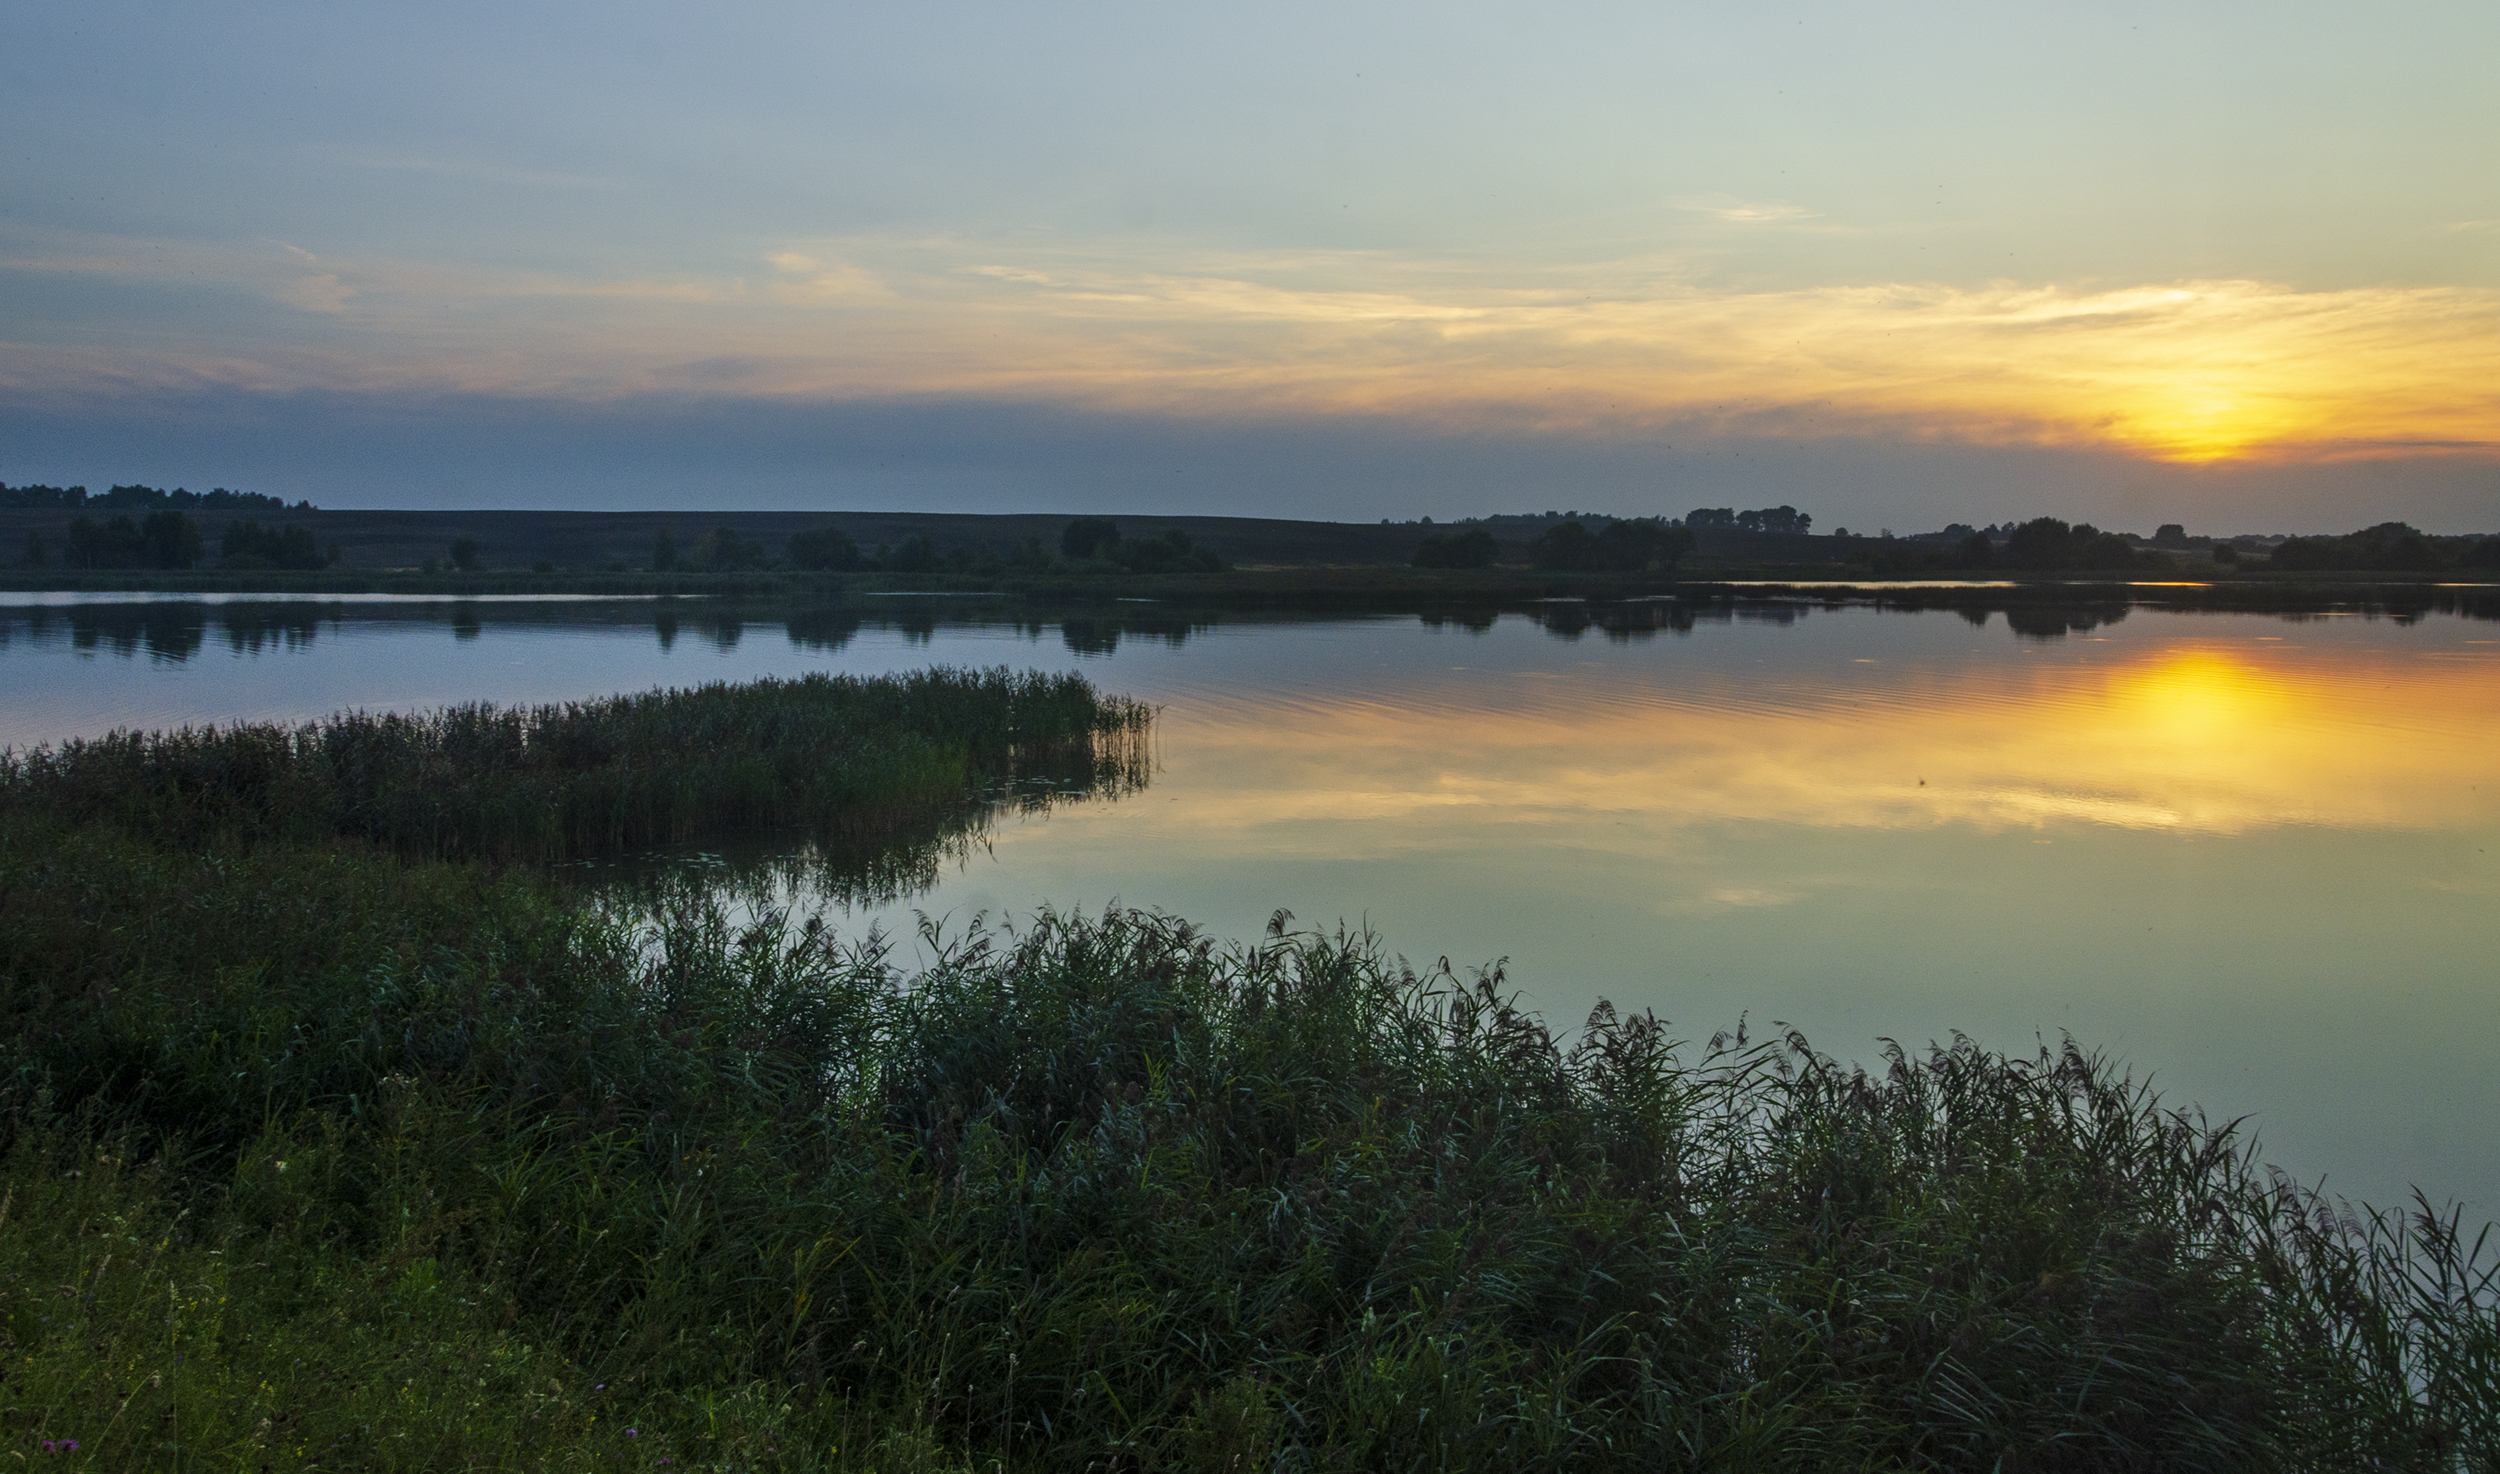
x: 2195, y: 739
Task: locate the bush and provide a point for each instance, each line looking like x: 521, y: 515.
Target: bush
x: 823, y: 549
x: 1627, y: 545
x: 247, y: 544
x: 1171, y: 553
x: 2047, y: 544
x: 2390, y: 547
x: 167, y: 540
x: 1088, y: 537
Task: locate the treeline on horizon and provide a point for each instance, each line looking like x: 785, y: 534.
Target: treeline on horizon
x: 1086, y: 544
x: 335, y: 1140
x: 136, y: 498
x: 2042, y: 544
x: 152, y: 529
x: 169, y: 541
x: 166, y: 539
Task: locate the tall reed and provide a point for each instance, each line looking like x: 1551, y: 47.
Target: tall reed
x: 835, y: 755
x: 321, y: 1150
x: 1102, y: 1192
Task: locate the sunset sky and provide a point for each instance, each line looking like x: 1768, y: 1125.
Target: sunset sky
x: 2236, y: 266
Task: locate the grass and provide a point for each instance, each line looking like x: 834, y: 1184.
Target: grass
x: 325, y: 1151
x: 823, y: 754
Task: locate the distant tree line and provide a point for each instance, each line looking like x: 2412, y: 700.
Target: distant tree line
x: 143, y: 498
x: 1086, y: 544
x: 1622, y: 544
x: 168, y: 540
x: 1097, y: 540
x: 165, y: 540
x: 1781, y: 519
x: 1629, y: 545
x: 2389, y: 547
x: 247, y: 544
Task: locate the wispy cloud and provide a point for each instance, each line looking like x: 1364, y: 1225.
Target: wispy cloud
x: 321, y: 293
x: 2188, y: 370
x: 1741, y: 212
x: 806, y: 279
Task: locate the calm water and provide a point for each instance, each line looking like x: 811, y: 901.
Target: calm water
x: 2254, y: 857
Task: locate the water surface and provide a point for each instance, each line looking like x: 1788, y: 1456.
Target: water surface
x: 2252, y: 856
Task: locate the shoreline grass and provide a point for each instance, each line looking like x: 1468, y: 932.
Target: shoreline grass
x: 324, y: 1151
x: 820, y: 755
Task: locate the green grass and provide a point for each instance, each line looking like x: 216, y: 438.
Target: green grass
x: 323, y: 1153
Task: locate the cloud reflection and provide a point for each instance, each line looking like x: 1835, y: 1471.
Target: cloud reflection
x: 2195, y: 739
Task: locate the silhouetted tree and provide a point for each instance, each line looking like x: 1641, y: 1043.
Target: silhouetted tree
x: 173, y: 540
x: 1473, y: 548
x: 1565, y: 545
x: 2390, y: 547
x: 823, y: 549
x: 1171, y: 553
x: 72, y: 497
x: 464, y: 551
x: 722, y: 550
x: 167, y: 540
x: 1782, y: 519
x: 2047, y: 543
x: 1630, y: 545
x: 1087, y: 537
x: 247, y: 544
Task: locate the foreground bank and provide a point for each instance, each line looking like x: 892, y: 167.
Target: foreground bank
x: 329, y: 1151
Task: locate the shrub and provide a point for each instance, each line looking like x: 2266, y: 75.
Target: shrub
x: 822, y: 549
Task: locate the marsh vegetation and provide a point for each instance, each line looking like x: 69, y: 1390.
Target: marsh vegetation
x: 343, y: 1133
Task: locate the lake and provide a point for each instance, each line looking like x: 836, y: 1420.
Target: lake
x: 2253, y: 856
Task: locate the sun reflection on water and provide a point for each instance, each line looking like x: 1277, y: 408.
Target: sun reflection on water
x: 2191, y: 738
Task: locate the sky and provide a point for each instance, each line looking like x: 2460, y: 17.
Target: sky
x: 2236, y: 266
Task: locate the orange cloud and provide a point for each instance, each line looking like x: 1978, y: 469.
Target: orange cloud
x: 2188, y: 371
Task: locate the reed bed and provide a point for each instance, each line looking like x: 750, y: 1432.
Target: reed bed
x: 829, y: 755
x: 326, y: 1153
x: 405, y: 1166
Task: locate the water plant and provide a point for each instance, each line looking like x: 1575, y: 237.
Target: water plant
x: 832, y: 755
x: 324, y: 1151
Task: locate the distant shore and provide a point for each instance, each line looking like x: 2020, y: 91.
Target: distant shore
x: 1221, y: 562
x: 1375, y: 587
